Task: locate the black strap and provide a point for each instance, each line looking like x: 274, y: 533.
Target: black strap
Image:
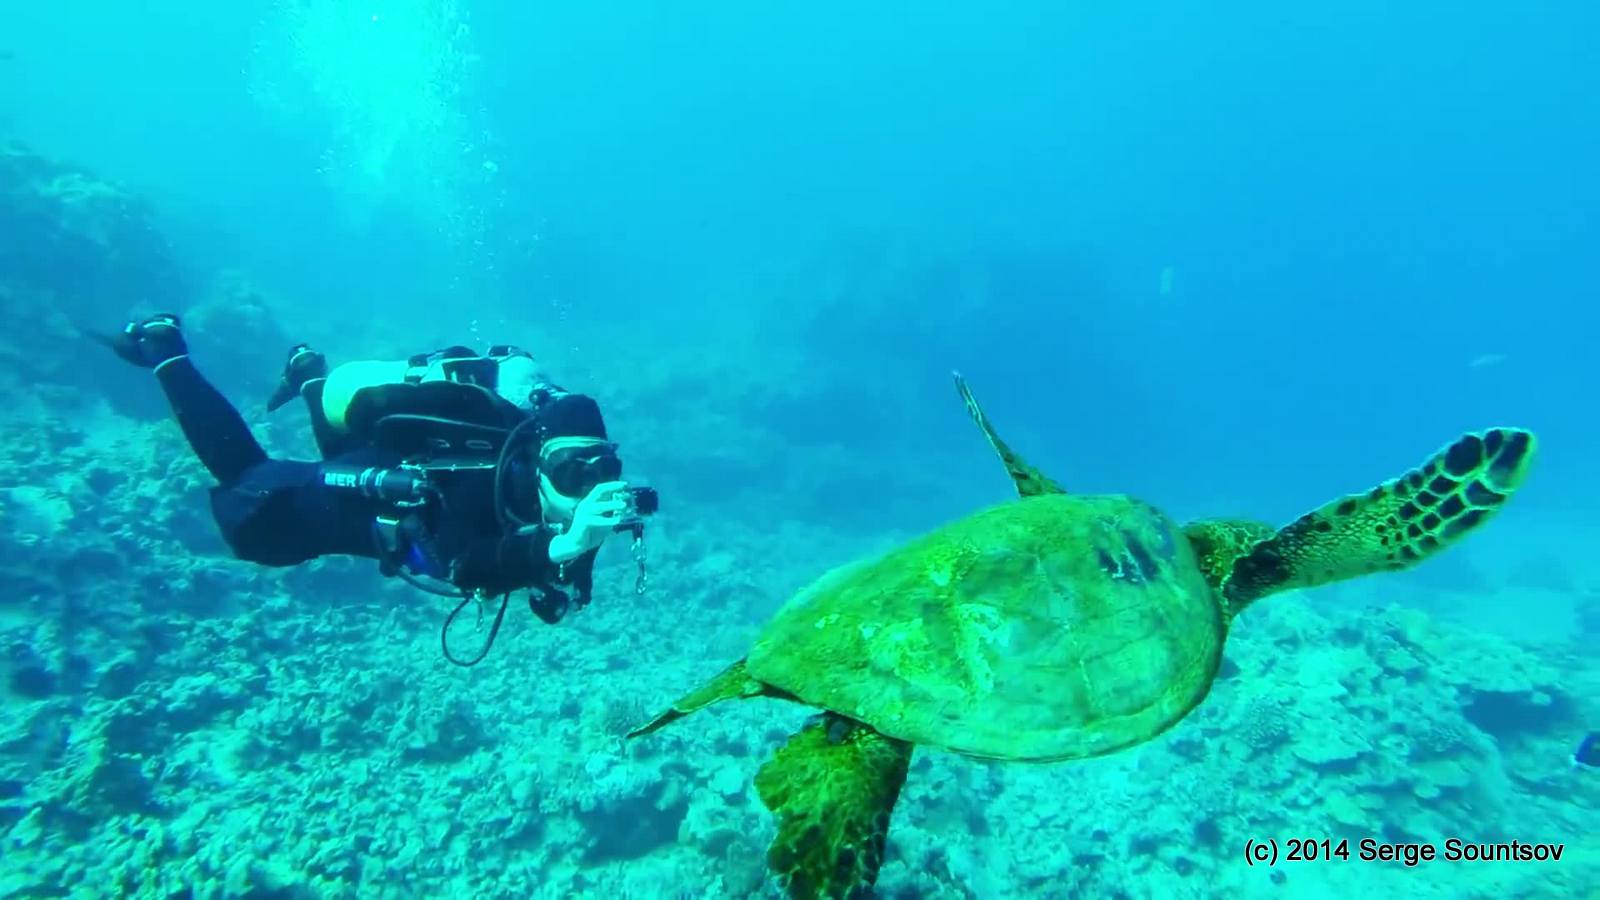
x: 444, y: 640
x: 390, y: 565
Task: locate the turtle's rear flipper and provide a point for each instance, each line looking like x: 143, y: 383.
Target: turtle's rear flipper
x: 1393, y: 526
x: 731, y: 683
x: 833, y: 787
x: 1030, y: 481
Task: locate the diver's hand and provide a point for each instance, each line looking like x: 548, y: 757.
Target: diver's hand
x: 595, y: 518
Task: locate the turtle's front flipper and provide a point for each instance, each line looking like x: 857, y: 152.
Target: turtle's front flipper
x: 1030, y: 481
x: 1218, y: 544
x: 833, y: 787
x: 731, y: 683
x: 1393, y: 526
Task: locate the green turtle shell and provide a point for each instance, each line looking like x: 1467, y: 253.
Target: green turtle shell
x: 1054, y: 627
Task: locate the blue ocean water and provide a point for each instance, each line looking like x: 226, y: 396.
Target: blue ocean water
x: 1236, y: 261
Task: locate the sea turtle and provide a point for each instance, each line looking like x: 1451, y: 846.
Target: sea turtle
x: 1049, y: 627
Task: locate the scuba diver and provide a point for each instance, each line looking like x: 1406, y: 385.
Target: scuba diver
x: 468, y: 475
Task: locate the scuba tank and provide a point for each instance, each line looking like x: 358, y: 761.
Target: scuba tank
x: 509, y: 373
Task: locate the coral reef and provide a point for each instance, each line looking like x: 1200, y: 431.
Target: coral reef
x: 175, y: 722
x: 81, y: 256
x: 80, y: 237
x: 180, y: 720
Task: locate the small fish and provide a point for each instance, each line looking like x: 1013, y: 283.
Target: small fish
x: 1588, y: 752
x: 1488, y: 359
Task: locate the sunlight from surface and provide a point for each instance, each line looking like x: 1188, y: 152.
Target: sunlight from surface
x: 385, y: 82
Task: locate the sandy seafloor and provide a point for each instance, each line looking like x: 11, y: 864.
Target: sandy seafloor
x: 174, y: 723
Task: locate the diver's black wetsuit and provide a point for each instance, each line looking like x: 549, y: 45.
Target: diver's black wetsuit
x: 279, y: 512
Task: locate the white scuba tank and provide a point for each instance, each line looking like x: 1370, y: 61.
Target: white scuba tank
x: 516, y: 376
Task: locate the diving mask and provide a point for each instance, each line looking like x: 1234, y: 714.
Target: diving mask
x: 574, y: 469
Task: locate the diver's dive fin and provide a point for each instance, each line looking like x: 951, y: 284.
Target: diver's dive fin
x: 282, y: 395
x: 1588, y: 752
x: 98, y: 336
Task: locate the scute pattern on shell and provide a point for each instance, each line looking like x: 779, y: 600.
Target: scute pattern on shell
x: 1053, y: 627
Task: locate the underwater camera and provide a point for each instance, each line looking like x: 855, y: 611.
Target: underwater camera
x: 638, y: 503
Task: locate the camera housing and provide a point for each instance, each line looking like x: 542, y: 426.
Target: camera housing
x: 643, y: 501
x: 640, y: 502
